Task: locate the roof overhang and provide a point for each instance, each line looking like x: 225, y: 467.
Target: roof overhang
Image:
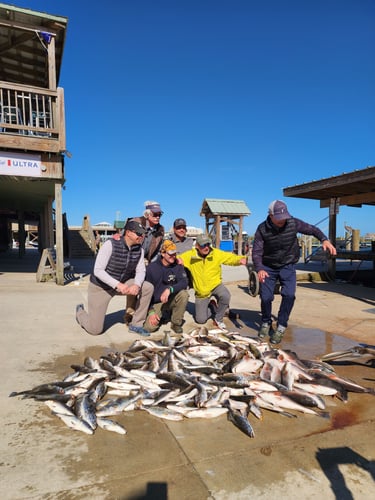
x: 24, y: 38
x: 355, y: 189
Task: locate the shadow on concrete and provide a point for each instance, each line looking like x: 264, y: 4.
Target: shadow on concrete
x: 113, y: 318
x: 12, y: 262
x: 331, y: 458
x: 155, y: 491
x: 364, y: 294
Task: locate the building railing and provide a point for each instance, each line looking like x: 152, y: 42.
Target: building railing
x: 31, y: 117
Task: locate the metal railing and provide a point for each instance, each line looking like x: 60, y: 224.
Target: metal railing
x: 28, y: 111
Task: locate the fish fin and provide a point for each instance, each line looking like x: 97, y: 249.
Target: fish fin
x: 287, y: 414
x: 323, y: 414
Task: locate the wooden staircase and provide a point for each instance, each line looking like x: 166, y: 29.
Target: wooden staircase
x: 81, y: 243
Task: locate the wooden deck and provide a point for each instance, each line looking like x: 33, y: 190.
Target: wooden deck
x: 356, y: 255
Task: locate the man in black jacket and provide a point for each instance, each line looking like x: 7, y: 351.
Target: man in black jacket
x: 275, y: 254
x: 170, y: 289
x: 152, y: 241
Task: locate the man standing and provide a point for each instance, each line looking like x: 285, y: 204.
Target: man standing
x: 119, y: 270
x: 170, y: 289
x: 204, y: 264
x: 179, y: 238
x: 154, y: 230
x: 152, y: 241
x: 275, y: 254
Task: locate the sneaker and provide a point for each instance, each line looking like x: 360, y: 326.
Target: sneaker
x: 79, y: 307
x: 177, y: 328
x: 278, y: 335
x: 221, y: 325
x: 140, y: 330
x: 264, y: 330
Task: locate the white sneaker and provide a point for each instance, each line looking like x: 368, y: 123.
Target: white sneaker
x: 220, y: 324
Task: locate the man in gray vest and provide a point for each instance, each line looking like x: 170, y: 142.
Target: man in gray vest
x: 119, y: 270
x: 275, y: 254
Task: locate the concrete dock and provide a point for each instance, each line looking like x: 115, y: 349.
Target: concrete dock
x: 304, y: 457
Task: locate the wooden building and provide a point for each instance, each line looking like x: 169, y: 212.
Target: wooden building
x: 352, y: 189
x: 32, y: 127
x: 223, y: 214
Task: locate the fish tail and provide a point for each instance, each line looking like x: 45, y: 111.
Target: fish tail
x: 13, y: 394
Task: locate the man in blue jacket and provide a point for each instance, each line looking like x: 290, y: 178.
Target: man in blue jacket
x: 170, y: 289
x: 275, y: 254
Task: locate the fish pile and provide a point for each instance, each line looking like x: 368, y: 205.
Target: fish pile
x: 203, y: 374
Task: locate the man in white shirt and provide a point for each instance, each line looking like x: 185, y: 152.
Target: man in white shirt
x: 119, y: 270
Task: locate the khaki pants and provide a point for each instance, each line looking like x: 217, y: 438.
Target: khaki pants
x: 130, y: 308
x: 176, y: 306
x: 98, y: 299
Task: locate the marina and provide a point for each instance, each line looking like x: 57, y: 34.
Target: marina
x: 159, y: 457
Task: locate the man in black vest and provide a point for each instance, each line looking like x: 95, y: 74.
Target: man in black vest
x: 119, y: 270
x: 275, y: 254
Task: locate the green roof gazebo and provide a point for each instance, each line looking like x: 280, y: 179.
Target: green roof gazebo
x: 229, y: 212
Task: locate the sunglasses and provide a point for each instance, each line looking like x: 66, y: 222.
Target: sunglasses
x: 138, y: 234
x: 159, y: 214
x: 180, y: 227
x: 205, y: 245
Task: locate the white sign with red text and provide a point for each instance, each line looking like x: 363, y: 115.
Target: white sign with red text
x: 20, y: 164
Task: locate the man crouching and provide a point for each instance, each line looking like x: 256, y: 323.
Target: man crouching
x: 170, y: 289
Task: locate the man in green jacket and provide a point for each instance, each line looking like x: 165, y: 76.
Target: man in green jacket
x: 204, y: 265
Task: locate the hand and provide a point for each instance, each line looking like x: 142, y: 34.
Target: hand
x: 165, y: 296
x: 243, y: 261
x: 153, y: 319
x: 133, y: 290
x: 122, y: 288
x: 262, y: 275
x: 116, y: 236
x: 328, y: 247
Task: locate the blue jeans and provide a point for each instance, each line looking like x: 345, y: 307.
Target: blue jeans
x: 288, y: 281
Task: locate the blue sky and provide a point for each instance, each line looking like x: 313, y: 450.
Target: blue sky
x: 182, y: 100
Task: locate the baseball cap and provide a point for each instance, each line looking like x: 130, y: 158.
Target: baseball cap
x: 203, y: 239
x: 179, y: 222
x: 133, y: 225
x: 279, y: 210
x: 154, y: 207
x: 168, y: 247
